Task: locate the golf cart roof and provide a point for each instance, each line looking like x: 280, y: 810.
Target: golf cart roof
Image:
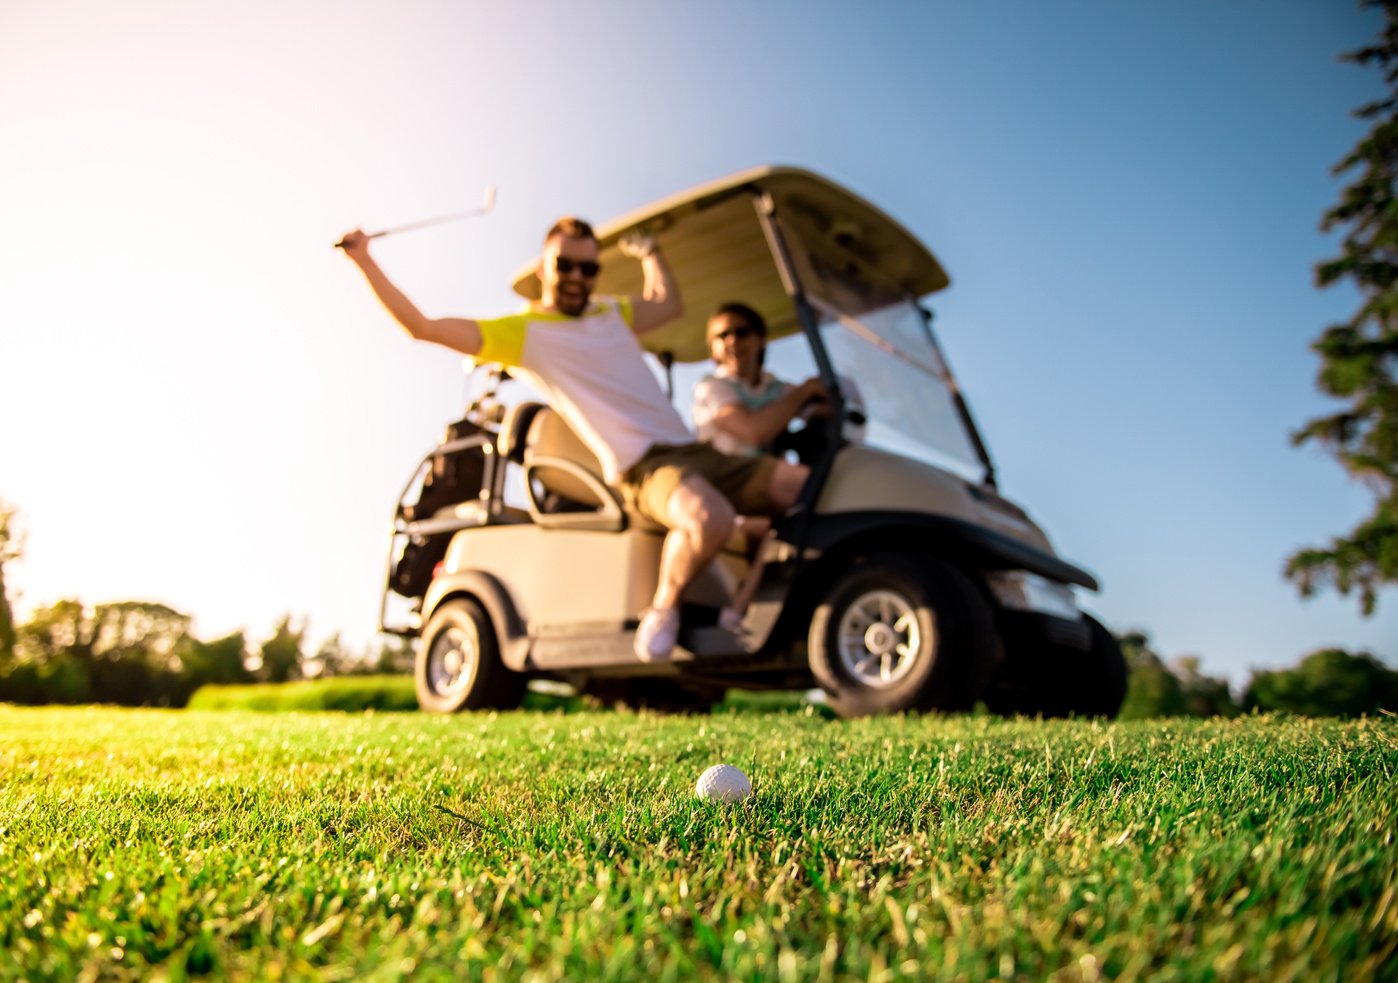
x: 719, y: 252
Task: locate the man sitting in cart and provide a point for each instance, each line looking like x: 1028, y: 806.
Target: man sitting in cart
x: 741, y: 408
x: 581, y: 353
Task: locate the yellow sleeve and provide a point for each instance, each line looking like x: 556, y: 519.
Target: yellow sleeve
x: 502, y: 339
x: 623, y: 305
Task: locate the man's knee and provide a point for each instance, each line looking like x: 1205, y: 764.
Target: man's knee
x: 698, y: 508
x: 787, y: 481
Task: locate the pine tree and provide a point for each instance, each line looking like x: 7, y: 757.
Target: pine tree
x: 1359, y: 357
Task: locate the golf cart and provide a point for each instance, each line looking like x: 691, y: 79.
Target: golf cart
x: 901, y: 580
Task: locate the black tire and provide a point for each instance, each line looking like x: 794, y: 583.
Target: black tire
x: 1064, y: 681
x: 458, y: 663
x: 928, y: 640
x: 1102, y: 692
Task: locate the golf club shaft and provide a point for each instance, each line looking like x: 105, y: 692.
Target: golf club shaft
x: 439, y: 220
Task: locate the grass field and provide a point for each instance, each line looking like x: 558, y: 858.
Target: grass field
x: 532, y: 845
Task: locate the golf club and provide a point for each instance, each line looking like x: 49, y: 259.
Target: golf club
x: 485, y: 208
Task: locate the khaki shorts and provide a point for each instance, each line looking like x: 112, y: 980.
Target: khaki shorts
x: 648, y: 484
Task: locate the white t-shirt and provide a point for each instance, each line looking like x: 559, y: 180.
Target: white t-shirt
x: 725, y: 389
x: 592, y: 370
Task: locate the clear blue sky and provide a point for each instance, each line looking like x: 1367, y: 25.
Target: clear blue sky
x: 201, y: 404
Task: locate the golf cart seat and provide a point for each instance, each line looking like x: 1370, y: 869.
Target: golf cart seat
x: 562, y: 477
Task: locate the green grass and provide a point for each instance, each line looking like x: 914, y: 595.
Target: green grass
x: 251, y: 846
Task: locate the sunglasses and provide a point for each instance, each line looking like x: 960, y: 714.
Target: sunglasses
x: 740, y: 333
x: 589, y: 268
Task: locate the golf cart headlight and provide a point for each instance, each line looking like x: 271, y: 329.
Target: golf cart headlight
x: 1020, y: 590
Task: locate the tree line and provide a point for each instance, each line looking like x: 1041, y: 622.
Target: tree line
x: 1328, y: 682
x: 139, y: 653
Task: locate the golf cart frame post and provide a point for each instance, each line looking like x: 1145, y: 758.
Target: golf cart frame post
x: 766, y: 208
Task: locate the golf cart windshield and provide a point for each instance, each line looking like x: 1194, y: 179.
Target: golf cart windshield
x: 889, y: 366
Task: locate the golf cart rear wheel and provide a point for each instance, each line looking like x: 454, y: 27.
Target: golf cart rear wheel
x: 458, y: 663
x: 897, y: 634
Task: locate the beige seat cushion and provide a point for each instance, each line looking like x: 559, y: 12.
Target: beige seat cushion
x: 547, y: 435
x: 550, y: 437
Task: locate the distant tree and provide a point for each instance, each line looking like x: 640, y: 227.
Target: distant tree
x: 126, y: 652
x: 332, y: 658
x: 143, y: 630
x: 56, y: 643
x: 11, y: 549
x: 1327, y: 683
x: 136, y: 653
x: 1359, y: 357
x: 1204, y: 696
x: 392, y: 657
x: 223, y: 660
x: 1152, y: 690
x: 280, y: 657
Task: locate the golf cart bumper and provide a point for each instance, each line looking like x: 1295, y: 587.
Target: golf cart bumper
x: 1032, y: 631
x: 1036, y: 611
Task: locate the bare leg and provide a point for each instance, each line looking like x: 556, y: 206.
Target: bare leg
x: 783, y: 490
x: 753, y: 528
x: 785, y: 487
x: 731, y: 617
x: 700, y: 521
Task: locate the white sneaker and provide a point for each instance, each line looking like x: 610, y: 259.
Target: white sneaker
x: 656, y: 634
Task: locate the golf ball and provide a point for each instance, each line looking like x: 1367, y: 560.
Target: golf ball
x: 723, y: 783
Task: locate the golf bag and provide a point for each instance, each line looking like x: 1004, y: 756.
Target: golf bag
x: 453, y: 477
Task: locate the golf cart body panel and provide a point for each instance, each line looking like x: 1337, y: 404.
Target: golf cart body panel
x: 869, y: 478
x: 869, y: 488
x: 902, y: 578
x: 545, y: 569
x: 552, y: 615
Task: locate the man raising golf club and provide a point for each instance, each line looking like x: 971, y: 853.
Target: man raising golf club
x: 581, y: 353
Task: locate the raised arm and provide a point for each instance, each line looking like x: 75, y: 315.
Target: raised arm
x: 660, y: 301
x: 457, y: 333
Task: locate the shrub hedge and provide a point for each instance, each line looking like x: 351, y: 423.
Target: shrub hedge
x: 352, y: 694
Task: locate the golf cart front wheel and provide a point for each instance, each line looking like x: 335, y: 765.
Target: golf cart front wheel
x: 1043, y: 680
x: 897, y: 634
x: 1102, y: 689
x: 458, y: 663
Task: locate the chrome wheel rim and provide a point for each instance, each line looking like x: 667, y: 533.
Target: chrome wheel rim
x: 452, y: 661
x: 879, y: 639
